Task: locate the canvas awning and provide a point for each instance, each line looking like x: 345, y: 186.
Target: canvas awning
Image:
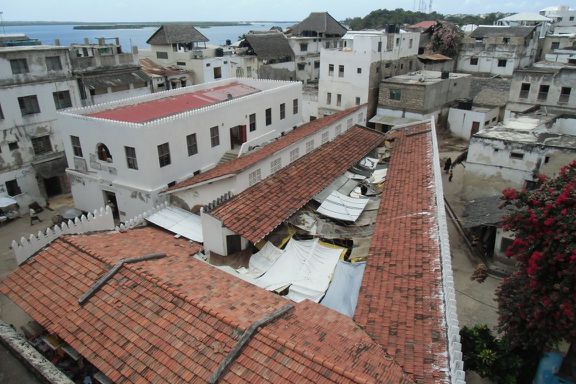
x: 180, y: 222
x: 342, y: 295
x: 342, y: 207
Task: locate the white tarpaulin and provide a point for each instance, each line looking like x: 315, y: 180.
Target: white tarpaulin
x: 342, y: 295
x: 261, y: 262
x: 307, y: 266
x: 342, y: 207
x: 378, y: 176
x: 179, y: 221
x: 369, y: 162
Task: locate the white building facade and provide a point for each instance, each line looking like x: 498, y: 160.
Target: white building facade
x: 35, y: 83
x: 116, y: 155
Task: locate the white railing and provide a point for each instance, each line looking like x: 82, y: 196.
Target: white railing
x: 99, y: 220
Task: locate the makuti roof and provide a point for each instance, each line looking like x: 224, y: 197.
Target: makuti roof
x: 498, y: 31
x: 173, y: 105
x: 176, y: 319
x: 269, y: 45
x: 258, y: 210
x: 400, y: 302
x: 176, y: 33
x: 319, y: 22
x: 238, y: 165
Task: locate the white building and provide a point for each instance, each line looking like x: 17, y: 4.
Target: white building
x: 562, y: 15
x: 350, y: 73
x: 465, y: 121
x: 498, y: 50
x: 512, y: 154
x: 184, y: 46
x: 35, y: 82
x: 128, y: 151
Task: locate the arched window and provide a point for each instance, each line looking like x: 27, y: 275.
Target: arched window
x: 103, y: 153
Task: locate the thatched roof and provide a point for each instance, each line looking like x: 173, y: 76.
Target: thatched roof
x: 319, y: 23
x: 176, y: 33
x: 502, y: 31
x: 268, y: 45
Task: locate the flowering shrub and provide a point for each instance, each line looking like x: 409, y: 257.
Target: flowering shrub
x: 446, y: 39
x: 537, y: 303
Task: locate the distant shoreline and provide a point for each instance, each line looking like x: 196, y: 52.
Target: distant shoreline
x: 136, y: 25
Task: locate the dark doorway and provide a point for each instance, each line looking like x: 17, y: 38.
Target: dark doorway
x: 237, y: 136
x: 233, y: 244
x: 475, y: 127
x: 52, y: 186
x: 110, y: 199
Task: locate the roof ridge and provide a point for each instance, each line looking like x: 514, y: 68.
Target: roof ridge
x: 152, y: 278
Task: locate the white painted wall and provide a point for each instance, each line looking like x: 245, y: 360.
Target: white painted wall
x: 460, y: 121
x: 136, y: 190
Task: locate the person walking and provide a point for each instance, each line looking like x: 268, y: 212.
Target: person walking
x: 450, y: 175
x: 34, y: 216
x: 447, y: 165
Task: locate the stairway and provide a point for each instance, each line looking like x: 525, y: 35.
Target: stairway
x: 228, y: 156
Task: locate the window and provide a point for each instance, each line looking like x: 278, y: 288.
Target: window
x: 516, y: 155
x: 217, y: 72
x: 131, y: 161
x: 254, y: 177
x: 294, y: 106
x: 524, y: 90
x: 192, y: 144
x: 214, y: 137
x: 53, y: 63
x: 303, y: 47
x: 473, y: 61
x: 555, y: 45
x: 249, y: 71
x: 309, y: 146
x: 397, y: 41
x: 252, y: 122
x: 379, y: 46
x: 410, y: 43
x: 62, y: 99
x: 330, y: 69
x: 564, y: 94
x: 338, y: 130
x: 1, y: 113
x: 571, y: 18
x: 41, y: 145
x: 19, y: 66
x: 275, y: 165
x: 328, y: 98
x: 357, y: 101
x: 502, y: 62
x: 317, y: 64
x: 294, y: 154
x: 282, y: 111
x: 506, y: 40
x: 546, y: 159
x: 76, y: 147
x: 12, y: 187
x: 301, y: 66
x: 340, y: 71
x: 162, y: 55
x: 325, y: 136
x: 327, y: 44
x: 268, y: 116
x: 13, y: 145
x: 395, y: 94
x: 349, y: 123
x: 103, y: 152
x: 358, y: 70
x: 164, y: 155
x: 181, y: 63
x: 28, y: 105
x: 207, y: 64
x: 338, y: 100
x: 543, y: 92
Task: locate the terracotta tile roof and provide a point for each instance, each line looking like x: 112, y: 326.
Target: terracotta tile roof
x: 176, y: 319
x: 255, y: 212
x: 238, y: 165
x: 400, y: 303
x: 174, y: 104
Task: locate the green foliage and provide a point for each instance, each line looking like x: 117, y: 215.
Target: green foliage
x: 489, y: 356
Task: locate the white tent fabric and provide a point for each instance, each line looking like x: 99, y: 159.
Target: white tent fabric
x: 6, y: 202
x: 262, y: 261
x: 342, y: 207
x: 378, y: 176
x: 369, y: 162
x: 307, y: 266
x: 342, y: 295
x: 180, y: 222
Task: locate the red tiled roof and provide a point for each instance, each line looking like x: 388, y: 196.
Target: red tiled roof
x: 243, y: 162
x: 172, y: 105
x: 400, y: 303
x: 423, y: 24
x: 174, y: 320
x: 255, y: 212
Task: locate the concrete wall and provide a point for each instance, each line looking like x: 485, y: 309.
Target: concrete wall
x: 138, y: 189
x: 563, y: 42
x: 460, y: 121
x: 501, y: 86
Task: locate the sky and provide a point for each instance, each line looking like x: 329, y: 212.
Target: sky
x: 238, y: 10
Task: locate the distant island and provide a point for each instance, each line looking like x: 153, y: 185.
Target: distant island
x: 130, y: 25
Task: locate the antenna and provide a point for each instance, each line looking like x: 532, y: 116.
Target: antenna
x: 2, y: 22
